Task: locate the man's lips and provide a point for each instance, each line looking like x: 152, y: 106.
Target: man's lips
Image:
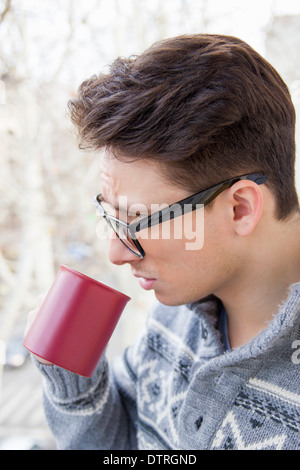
x: 145, y: 282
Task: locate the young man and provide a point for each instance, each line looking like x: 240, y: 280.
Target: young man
x: 204, y: 124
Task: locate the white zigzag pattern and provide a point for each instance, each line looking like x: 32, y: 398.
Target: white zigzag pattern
x: 276, y: 441
x: 152, y: 375
x: 163, y: 407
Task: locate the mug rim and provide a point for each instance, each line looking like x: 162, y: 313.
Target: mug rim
x: 63, y: 267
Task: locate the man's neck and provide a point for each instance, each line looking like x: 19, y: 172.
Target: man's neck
x: 254, y: 299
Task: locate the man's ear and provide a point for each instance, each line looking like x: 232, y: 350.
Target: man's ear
x: 246, y: 200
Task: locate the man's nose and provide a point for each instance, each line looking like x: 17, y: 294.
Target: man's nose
x: 118, y: 253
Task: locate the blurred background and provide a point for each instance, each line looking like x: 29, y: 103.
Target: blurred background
x: 47, y: 48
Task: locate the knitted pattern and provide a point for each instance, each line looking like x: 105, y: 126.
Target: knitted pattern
x: 176, y: 388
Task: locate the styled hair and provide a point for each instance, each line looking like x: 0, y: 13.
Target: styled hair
x: 207, y: 107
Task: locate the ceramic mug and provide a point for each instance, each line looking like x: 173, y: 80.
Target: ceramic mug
x: 75, y: 322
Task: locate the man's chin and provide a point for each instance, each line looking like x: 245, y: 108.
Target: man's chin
x: 169, y: 299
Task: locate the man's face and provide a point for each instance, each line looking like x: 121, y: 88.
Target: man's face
x: 177, y: 267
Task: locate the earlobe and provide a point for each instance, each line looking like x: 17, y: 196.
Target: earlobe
x: 247, y: 200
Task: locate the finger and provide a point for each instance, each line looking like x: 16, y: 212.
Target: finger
x: 30, y: 319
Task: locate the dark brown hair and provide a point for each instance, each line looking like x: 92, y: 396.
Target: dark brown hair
x: 208, y: 107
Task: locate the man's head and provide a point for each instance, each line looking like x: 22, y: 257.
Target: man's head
x: 206, y: 107
x: 188, y: 113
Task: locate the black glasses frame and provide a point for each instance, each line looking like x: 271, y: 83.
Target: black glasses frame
x: 184, y: 206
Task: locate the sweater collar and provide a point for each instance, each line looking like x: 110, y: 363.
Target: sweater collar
x: 285, y: 322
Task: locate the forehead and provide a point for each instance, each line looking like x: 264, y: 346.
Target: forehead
x: 141, y: 181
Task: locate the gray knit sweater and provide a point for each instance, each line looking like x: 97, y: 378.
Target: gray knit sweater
x: 176, y: 388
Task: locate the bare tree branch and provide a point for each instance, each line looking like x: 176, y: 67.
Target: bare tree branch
x: 7, y: 7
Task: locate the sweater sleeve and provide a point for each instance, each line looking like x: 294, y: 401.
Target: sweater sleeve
x: 97, y: 413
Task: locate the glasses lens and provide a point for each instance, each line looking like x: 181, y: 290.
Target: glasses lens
x: 122, y: 233
x: 119, y: 227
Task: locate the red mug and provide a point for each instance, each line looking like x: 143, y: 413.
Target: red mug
x: 75, y: 322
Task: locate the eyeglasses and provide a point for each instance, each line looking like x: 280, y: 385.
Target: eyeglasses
x: 126, y: 232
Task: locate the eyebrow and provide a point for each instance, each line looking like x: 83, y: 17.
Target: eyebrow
x: 122, y: 209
